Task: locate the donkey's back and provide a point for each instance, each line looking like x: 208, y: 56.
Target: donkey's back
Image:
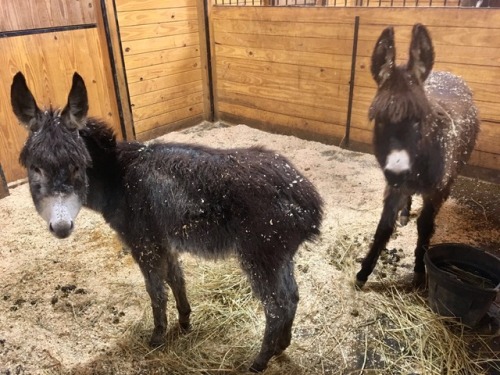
x: 451, y: 94
x: 210, y: 201
x: 456, y: 122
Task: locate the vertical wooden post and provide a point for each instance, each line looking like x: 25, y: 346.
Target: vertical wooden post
x: 346, y: 140
x: 109, y: 33
x: 207, y: 59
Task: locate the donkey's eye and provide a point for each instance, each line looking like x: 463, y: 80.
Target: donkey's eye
x: 35, y: 169
x: 74, y: 168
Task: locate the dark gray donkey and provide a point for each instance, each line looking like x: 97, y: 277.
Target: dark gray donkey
x: 426, y: 127
x: 165, y: 198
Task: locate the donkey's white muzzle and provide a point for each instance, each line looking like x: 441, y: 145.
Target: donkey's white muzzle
x: 59, y: 212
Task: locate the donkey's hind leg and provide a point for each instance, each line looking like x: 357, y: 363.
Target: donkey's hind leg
x: 292, y: 298
x: 277, y: 289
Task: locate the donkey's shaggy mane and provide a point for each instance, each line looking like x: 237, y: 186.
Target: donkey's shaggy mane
x: 398, y: 99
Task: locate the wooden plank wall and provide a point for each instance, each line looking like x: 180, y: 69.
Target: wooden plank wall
x: 283, y: 73
x: 35, y: 14
x: 48, y: 60
x: 161, y: 46
x: 363, y: 3
x: 240, y: 2
x: 288, y: 69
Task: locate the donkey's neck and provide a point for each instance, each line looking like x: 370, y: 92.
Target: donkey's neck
x: 105, y: 190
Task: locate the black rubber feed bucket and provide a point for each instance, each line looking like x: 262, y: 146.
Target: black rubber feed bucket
x: 462, y: 280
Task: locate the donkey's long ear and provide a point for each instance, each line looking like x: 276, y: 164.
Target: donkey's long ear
x: 383, y: 57
x: 421, y: 53
x: 23, y: 102
x: 75, y: 112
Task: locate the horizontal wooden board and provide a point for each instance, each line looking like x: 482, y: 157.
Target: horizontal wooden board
x: 284, y: 108
x: 174, y: 103
x: 161, y: 57
x: 477, y: 74
x: 142, y: 87
x: 444, y: 35
x: 315, y: 45
x: 489, y: 137
x: 27, y: 15
x: 144, y: 17
x: 156, y: 30
x: 329, y: 96
x: 170, y: 127
x: 326, y: 30
x: 471, y: 56
x: 272, y: 119
x: 361, y: 135
x: 485, y: 159
x: 134, y: 5
x: 284, y: 14
x: 165, y: 95
x: 135, y: 47
x: 296, y: 83
x: 318, y: 94
x: 340, y: 62
x: 282, y: 70
x: 376, y: 16
x: 407, y: 3
x: 443, y: 17
x: 191, y: 110
x: 156, y: 71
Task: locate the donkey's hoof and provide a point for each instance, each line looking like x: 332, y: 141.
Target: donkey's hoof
x: 185, y: 327
x: 157, y: 340
x: 257, y: 367
x: 418, y: 280
x: 359, y: 284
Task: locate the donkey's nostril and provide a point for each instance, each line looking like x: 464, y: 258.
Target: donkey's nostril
x: 61, y: 229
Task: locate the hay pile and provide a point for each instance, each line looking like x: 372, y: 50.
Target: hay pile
x: 78, y: 306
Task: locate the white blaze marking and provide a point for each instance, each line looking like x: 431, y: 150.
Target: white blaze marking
x: 397, y: 161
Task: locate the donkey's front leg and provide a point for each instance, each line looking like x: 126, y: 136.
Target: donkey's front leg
x: 153, y: 268
x: 393, y: 201
x: 425, y: 228
x: 175, y: 279
x: 156, y: 290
